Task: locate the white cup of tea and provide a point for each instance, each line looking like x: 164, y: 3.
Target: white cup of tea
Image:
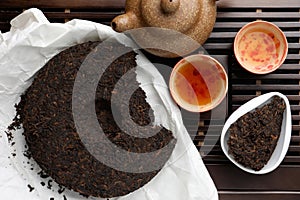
x: 260, y: 47
x: 198, y: 83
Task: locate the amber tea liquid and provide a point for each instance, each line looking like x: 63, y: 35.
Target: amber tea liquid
x: 199, y: 83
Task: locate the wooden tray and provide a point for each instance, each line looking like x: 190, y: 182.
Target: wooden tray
x: 232, y: 183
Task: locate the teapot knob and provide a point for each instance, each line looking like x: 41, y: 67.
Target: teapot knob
x: 179, y: 15
x: 170, y: 6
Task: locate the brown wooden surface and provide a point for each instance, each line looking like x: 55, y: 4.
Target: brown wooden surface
x: 109, y: 4
x: 258, y: 4
x: 259, y: 196
x: 230, y: 178
x: 232, y: 183
x: 71, y: 4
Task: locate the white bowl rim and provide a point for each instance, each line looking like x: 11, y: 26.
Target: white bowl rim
x: 247, y: 107
x: 260, y: 22
x: 197, y: 108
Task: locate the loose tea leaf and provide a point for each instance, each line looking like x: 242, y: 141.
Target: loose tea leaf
x: 45, y: 111
x: 253, y: 137
x: 30, y: 188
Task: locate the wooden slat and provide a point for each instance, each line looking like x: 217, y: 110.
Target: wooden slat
x: 291, y: 159
x: 258, y: 195
x: 222, y: 158
x: 108, y: 4
x: 293, y: 108
x: 284, y: 69
x: 294, y: 148
x: 232, y: 34
x: 269, y: 77
x: 295, y: 138
x: 120, y: 4
x: 215, y: 158
x: 248, y: 97
x: 214, y: 128
x: 207, y: 137
x: 290, y: 66
x: 296, y: 128
x: 260, y: 15
x: 229, y: 177
x: 217, y: 147
x: 259, y: 4
x: 82, y: 15
x: 71, y: 4
x: 214, y: 132
x: 241, y: 24
x: 293, y: 56
x: 218, y: 46
x: 215, y: 46
x: 266, y: 87
x: 8, y: 15
x: 296, y: 118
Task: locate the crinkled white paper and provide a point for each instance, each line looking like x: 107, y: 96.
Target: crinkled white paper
x: 31, y: 42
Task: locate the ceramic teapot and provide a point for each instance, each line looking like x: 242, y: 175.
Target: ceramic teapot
x: 193, y: 18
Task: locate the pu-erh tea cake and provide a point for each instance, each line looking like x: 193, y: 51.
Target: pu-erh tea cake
x: 45, y: 112
x: 253, y: 137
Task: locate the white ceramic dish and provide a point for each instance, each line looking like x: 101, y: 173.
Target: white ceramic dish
x: 284, y: 138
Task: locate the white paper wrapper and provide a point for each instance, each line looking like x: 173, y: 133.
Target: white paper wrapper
x: 31, y: 42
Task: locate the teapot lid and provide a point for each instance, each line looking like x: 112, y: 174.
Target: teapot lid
x: 178, y: 15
